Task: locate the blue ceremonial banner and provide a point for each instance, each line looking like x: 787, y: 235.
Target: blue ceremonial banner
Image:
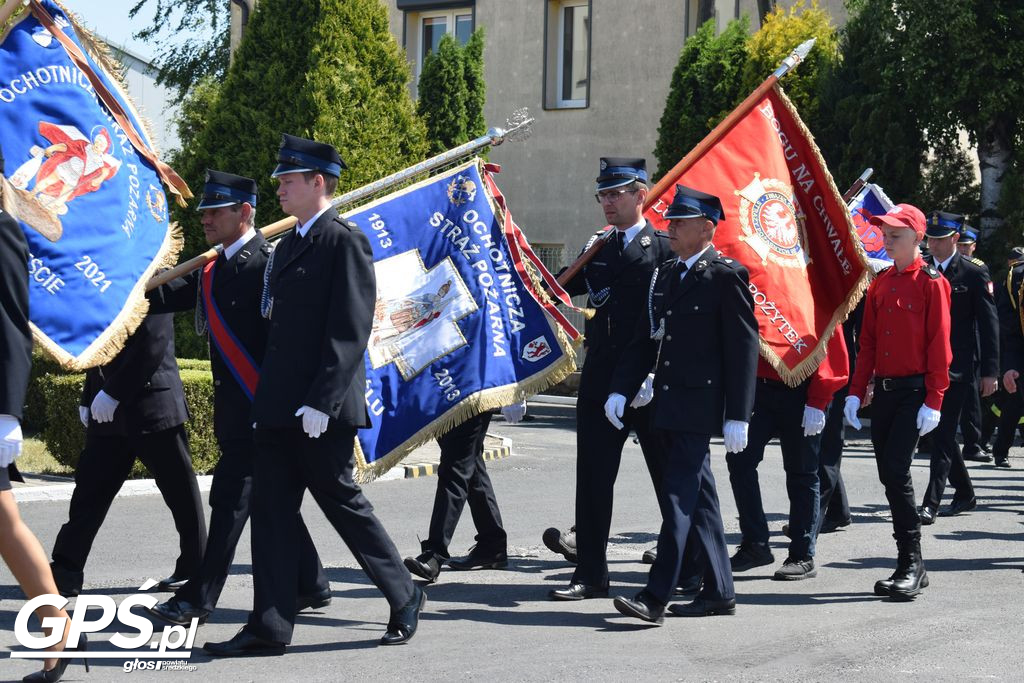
x: 870, y: 201
x: 459, y: 327
x: 85, y: 183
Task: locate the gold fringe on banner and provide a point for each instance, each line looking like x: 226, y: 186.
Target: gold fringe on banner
x: 488, y: 399
x: 806, y: 367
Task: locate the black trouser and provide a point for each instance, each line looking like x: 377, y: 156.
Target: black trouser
x: 230, y: 497
x: 778, y: 412
x: 690, y: 515
x: 598, y: 452
x: 287, y: 463
x: 105, y: 464
x: 835, y: 506
x: 462, y: 477
x: 1011, y: 406
x: 947, y: 460
x: 894, y: 437
x: 971, y: 421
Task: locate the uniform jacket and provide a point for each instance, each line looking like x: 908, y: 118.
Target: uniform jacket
x: 237, y: 287
x: 323, y: 290
x: 905, y: 330
x: 972, y: 319
x: 144, y: 379
x: 15, y: 337
x: 707, y: 357
x: 627, y: 278
x: 1011, y: 334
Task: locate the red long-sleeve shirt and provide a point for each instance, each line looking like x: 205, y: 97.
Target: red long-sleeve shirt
x: 906, y: 331
x: 829, y: 377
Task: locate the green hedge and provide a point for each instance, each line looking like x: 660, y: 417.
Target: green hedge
x: 64, y: 434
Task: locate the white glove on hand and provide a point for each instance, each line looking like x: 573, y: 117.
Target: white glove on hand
x: 646, y: 393
x: 613, y: 408
x: 514, y: 413
x: 927, y: 419
x: 850, y: 409
x: 10, y: 439
x: 735, y: 436
x: 83, y: 415
x: 814, y: 421
x: 103, y: 407
x: 314, y: 423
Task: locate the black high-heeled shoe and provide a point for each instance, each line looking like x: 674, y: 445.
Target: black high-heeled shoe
x: 56, y: 673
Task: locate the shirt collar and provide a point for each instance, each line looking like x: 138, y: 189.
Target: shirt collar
x: 945, y: 264
x: 304, y: 228
x: 629, y: 233
x: 237, y: 245
x: 693, y: 259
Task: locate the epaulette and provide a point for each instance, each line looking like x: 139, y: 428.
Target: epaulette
x: 932, y: 271
x: 351, y: 225
x: 976, y: 261
x: 267, y: 247
x: 593, y: 238
x: 731, y: 262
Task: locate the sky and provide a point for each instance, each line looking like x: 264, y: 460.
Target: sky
x: 109, y: 18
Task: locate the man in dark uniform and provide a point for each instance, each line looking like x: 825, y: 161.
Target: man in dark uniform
x: 617, y: 281
x: 1011, y: 339
x: 319, y: 297
x: 226, y: 297
x: 972, y: 418
x: 700, y: 335
x: 904, y: 347
x: 133, y: 407
x: 972, y: 317
x: 462, y: 477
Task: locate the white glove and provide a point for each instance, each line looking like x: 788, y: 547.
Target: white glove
x: 734, y: 433
x: 814, y: 421
x: 514, y: 413
x: 314, y: 423
x: 613, y: 408
x: 10, y: 439
x: 927, y: 419
x: 103, y: 407
x: 850, y: 409
x: 646, y: 393
x: 83, y: 415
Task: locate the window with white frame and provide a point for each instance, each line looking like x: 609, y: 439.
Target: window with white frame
x: 567, y: 63
x: 425, y: 30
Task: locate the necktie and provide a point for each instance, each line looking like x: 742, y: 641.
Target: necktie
x: 620, y: 237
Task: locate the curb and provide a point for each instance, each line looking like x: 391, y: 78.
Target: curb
x: 429, y: 469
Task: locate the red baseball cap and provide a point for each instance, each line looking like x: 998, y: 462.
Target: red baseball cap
x: 902, y: 216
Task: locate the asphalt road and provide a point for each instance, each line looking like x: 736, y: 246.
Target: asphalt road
x: 499, y: 625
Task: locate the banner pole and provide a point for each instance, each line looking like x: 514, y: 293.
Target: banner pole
x: 702, y: 147
x: 857, y: 186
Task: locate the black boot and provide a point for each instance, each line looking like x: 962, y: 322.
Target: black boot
x: 910, y: 576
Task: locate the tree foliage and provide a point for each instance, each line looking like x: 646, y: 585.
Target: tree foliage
x: 781, y: 32
x: 705, y: 88
x: 452, y: 93
x: 204, y: 53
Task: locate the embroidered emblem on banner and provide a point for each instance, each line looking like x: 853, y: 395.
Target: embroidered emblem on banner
x: 414, y: 320
x: 461, y: 190
x: 773, y: 223
x: 157, y: 203
x: 536, y: 350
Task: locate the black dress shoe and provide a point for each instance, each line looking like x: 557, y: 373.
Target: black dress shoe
x: 403, y: 623
x: 317, y: 600
x: 688, y: 587
x: 563, y: 544
x: 245, y: 644
x: 426, y: 566
x: 1002, y: 462
x: 578, y: 591
x: 180, y: 612
x: 702, y: 607
x: 649, y: 556
x: 643, y: 606
x: 480, y: 559
x: 750, y: 555
x: 927, y: 514
x: 978, y: 457
x: 958, y: 506
x: 831, y: 525
x: 171, y: 583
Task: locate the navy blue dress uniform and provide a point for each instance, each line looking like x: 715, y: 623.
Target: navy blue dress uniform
x: 319, y: 298
x: 1011, y: 340
x: 237, y: 288
x: 973, y: 427
x: 700, y: 333
x: 15, y: 335
x: 617, y: 282
x: 972, y: 318
x: 148, y: 424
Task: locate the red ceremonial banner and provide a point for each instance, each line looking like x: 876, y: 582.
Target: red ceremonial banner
x: 787, y: 223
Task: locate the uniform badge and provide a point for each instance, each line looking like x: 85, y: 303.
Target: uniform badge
x: 703, y: 263
x: 773, y: 223
x: 645, y: 241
